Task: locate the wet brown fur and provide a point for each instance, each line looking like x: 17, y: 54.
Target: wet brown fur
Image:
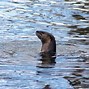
x: 48, y: 49
x: 48, y: 42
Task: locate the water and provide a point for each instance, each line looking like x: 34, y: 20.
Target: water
x: 20, y: 67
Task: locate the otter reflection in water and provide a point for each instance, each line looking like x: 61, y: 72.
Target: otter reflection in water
x: 48, y: 49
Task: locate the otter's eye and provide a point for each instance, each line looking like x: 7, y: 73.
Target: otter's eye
x: 42, y: 32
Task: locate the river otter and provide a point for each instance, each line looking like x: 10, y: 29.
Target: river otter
x: 48, y: 42
x: 48, y: 49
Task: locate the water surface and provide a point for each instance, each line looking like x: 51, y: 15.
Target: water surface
x: 20, y: 67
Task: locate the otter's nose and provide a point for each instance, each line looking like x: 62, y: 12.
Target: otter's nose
x: 37, y: 31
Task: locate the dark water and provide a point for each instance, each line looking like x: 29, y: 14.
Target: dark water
x: 67, y: 20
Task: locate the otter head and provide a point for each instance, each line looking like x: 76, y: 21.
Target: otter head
x: 48, y: 42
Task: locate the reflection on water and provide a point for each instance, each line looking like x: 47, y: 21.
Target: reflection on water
x: 67, y: 20
x: 47, y: 61
x: 80, y: 31
x: 81, y: 35
x: 29, y: 16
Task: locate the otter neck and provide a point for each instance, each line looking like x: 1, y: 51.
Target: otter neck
x: 48, y: 47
